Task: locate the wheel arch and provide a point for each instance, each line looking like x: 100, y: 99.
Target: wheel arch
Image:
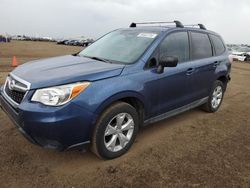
x: 224, y: 80
x: 133, y: 98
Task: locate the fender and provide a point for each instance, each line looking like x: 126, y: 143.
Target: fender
x: 222, y: 70
x: 118, y: 96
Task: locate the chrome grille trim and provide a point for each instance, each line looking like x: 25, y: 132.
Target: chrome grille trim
x: 24, y: 82
x: 24, y: 86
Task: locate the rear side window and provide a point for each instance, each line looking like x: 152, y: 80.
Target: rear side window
x: 177, y: 45
x: 201, y: 46
x: 218, y: 44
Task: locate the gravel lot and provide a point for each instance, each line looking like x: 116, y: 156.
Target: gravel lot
x: 194, y: 149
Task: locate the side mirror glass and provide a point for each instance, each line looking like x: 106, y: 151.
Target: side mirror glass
x: 167, y: 61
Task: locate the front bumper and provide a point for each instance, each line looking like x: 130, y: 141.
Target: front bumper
x: 66, y: 127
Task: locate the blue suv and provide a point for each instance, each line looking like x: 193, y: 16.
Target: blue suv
x: 128, y: 78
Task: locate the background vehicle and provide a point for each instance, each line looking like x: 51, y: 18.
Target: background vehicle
x: 61, y: 41
x: 76, y: 42
x: 241, y: 54
x: 126, y: 79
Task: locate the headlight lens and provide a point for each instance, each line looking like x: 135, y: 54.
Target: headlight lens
x: 59, y: 95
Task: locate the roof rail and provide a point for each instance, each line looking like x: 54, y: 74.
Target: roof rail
x: 177, y: 23
x: 201, y: 26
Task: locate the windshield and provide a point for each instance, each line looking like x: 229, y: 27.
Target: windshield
x: 240, y: 49
x: 244, y: 50
x: 124, y: 46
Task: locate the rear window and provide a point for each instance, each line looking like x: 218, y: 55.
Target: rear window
x: 218, y: 45
x: 201, y: 46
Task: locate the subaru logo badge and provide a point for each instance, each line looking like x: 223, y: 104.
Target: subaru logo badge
x: 12, y: 84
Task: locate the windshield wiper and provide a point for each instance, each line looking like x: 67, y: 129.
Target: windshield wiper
x: 99, y: 59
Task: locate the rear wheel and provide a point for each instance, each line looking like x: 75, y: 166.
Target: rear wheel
x: 215, y: 98
x: 115, y: 131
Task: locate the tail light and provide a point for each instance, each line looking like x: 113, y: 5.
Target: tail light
x: 230, y: 58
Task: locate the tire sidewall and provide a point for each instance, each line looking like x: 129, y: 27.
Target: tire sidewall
x: 101, y: 127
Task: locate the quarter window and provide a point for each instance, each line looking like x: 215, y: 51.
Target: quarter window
x: 177, y: 45
x: 201, y: 46
x: 218, y: 44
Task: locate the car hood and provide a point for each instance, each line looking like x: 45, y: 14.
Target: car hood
x: 65, y: 69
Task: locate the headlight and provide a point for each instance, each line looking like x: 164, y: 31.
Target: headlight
x: 59, y: 95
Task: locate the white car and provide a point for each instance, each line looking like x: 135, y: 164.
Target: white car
x: 242, y: 55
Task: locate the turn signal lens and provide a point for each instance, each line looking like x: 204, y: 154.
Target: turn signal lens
x: 78, y: 89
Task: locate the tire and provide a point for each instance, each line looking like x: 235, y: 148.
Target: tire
x: 108, y: 139
x: 247, y: 58
x: 211, y: 106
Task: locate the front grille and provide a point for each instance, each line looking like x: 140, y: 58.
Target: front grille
x: 16, y: 96
x: 15, y: 89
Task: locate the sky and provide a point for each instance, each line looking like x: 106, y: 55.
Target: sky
x: 94, y: 18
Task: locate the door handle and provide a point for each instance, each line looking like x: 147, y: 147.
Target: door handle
x: 216, y: 63
x: 190, y: 71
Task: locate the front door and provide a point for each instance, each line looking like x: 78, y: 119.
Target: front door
x: 171, y: 89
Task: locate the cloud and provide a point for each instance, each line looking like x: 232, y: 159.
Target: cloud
x: 60, y: 18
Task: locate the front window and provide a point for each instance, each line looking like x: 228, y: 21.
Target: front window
x: 125, y: 46
x: 177, y: 45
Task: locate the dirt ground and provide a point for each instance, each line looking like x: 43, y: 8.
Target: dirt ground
x: 194, y: 149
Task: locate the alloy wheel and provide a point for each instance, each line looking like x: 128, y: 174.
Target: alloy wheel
x: 217, y: 97
x: 119, y: 132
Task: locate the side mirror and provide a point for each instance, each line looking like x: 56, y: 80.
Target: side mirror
x: 167, y: 61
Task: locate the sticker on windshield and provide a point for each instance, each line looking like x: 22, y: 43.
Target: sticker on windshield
x: 147, y: 35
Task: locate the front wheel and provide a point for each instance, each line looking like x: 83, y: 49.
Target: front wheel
x: 215, y: 98
x: 115, y: 131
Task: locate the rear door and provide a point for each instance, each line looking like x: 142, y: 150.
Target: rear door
x: 203, y: 65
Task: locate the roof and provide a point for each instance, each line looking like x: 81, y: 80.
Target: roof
x: 160, y: 29
x: 175, y: 25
